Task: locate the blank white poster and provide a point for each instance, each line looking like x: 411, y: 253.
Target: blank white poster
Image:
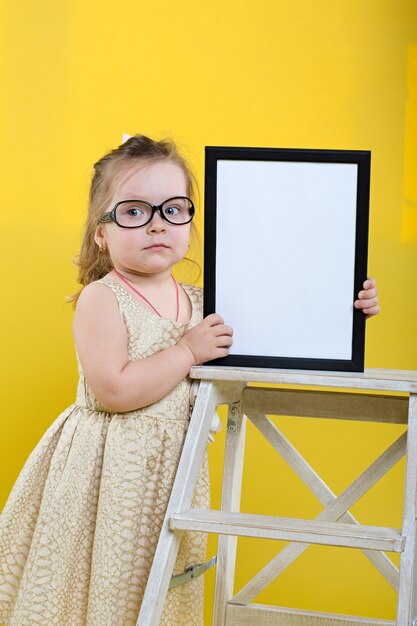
x: 285, y: 252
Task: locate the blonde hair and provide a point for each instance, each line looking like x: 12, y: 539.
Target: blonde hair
x: 93, y: 264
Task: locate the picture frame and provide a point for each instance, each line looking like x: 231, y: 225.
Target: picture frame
x: 285, y: 254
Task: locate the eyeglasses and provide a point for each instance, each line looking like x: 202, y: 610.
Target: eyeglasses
x: 136, y: 213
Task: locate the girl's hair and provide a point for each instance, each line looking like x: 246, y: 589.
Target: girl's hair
x: 93, y: 264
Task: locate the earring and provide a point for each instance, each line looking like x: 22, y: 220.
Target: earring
x: 102, y: 247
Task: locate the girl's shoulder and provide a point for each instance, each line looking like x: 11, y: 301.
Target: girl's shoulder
x: 97, y: 301
x: 194, y: 289
x: 194, y: 292
x: 96, y: 311
x: 96, y: 291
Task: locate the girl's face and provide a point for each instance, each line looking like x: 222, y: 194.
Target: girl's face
x: 131, y: 249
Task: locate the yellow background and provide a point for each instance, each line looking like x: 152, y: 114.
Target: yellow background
x: 293, y: 73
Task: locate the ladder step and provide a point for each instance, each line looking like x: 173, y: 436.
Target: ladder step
x: 289, y: 529
x: 250, y: 614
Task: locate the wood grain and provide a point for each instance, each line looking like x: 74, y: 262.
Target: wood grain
x: 263, y: 615
x: 326, y: 404
x: 377, y: 379
x: 289, y: 529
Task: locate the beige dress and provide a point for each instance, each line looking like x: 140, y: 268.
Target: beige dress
x: 80, y: 528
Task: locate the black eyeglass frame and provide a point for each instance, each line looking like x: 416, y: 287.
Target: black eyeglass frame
x: 110, y: 216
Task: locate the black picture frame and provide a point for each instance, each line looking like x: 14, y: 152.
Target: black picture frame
x: 325, y: 192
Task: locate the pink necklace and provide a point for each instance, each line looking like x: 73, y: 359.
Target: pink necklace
x: 142, y: 296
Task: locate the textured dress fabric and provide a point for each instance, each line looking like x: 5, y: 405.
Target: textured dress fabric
x: 80, y: 527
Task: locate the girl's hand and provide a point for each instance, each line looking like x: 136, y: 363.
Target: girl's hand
x: 368, y: 298
x: 210, y: 339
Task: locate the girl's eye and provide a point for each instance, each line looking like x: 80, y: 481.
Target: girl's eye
x: 134, y: 212
x: 172, y: 210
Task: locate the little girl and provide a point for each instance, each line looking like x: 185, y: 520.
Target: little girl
x: 80, y: 528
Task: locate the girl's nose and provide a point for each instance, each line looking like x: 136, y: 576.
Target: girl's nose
x: 157, y: 223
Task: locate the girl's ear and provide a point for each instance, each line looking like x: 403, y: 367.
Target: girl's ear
x: 100, y: 239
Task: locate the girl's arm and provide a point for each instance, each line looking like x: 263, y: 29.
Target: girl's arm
x: 102, y: 345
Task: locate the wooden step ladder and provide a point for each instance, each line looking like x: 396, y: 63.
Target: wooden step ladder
x: 335, y: 525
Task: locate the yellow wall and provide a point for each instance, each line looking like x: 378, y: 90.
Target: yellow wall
x: 291, y: 73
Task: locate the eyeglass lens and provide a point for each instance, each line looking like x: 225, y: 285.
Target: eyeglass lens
x: 131, y: 213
